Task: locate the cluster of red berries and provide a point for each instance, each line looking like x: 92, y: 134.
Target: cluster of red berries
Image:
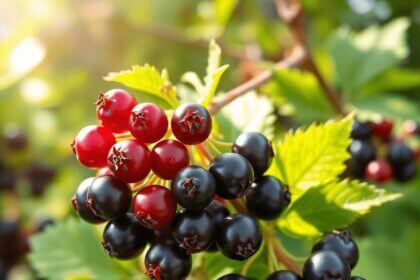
x: 377, y: 156
x: 203, y: 222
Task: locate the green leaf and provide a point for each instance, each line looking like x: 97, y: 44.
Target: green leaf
x: 330, y: 206
x: 224, y: 10
x: 358, y: 58
x: 314, y: 156
x: 301, y: 90
x: 148, y: 80
x: 71, y: 250
x: 214, y: 73
x: 393, y: 79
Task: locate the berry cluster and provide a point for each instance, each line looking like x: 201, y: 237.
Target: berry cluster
x: 186, y: 212
x: 333, y: 257
x: 377, y: 156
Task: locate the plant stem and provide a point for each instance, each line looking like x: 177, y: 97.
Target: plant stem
x: 295, y: 57
x: 237, y: 204
x: 281, y: 256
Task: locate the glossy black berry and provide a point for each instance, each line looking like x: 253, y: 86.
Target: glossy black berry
x: 124, y: 238
x: 326, y: 265
x: 405, y: 172
x: 108, y: 198
x: 256, y: 148
x: 361, y: 130
x: 233, y: 174
x: 194, y: 187
x: 341, y: 243
x: 233, y: 276
x: 39, y: 176
x: 10, y: 242
x: 194, y: 230
x: 400, y: 154
x: 267, y: 198
x: 362, y: 151
x: 168, y: 262
x: 79, y: 202
x: 219, y: 211
x: 284, y: 275
x: 239, y: 237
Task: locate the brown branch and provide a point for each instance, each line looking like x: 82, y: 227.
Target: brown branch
x: 296, y: 57
x: 281, y: 257
x: 176, y: 36
x: 291, y: 13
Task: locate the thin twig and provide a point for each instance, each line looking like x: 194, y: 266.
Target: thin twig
x: 281, y: 257
x: 291, y: 13
x: 236, y: 203
x: 292, y: 60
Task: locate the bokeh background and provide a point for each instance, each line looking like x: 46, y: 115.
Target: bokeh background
x: 54, y: 54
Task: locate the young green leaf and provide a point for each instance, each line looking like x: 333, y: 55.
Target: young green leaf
x: 301, y: 90
x: 330, y: 206
x: 148, y: 80
x: 360, y: 57
x: 214, y: 73
x: 71, y: 250
x: 314, y: 156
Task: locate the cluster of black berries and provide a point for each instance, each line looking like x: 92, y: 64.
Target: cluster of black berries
x: 202, y: 221
x: 333, y: 258
x: 377, y: 156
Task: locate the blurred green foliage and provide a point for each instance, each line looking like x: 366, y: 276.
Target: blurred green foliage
x: 55, y: 53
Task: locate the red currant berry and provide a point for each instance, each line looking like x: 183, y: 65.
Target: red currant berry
x: 154, y: 206
x: 148, y: 122
x: 103, y: 171
x: 191, y: 123
x: 113, y: 109
x: 129, y: 161
x: 383, y: 128
x: 92, y: 145
x: 378, y: 171
x: 168, y: 157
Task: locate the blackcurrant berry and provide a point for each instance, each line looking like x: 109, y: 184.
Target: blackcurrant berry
x: 113, y: 109
x: 124, y: 238
x: 256, y: 148
x: 191, y: 123
x: 10, y: 242
x: 219, y: 211
x: 108, y: 198
x: 154, y: 206
x: 267, y: 198
x: 148, y: 122
x: 167, y: 262
x: 341, y: 243
x: 15, y: 138
x: 39, y: 176
x: 326, y: 265
x: 194, y: 187
x: 168, y: 157
x: 362, y: 151
x: 162, y: 235
x: 284, y: 275
x: 361, y: 130
x: 239, y: 237
x: 7, y: 179
x: 406, y: 172
x: 129, y: 161
x: 79, y: 202
x: 400, y: 154
x: 383, y: 128
x: 233, y: 276
x: 379, y: 171
x: 233, y: 174
x: 92, y: 145
x: 194, y: 230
